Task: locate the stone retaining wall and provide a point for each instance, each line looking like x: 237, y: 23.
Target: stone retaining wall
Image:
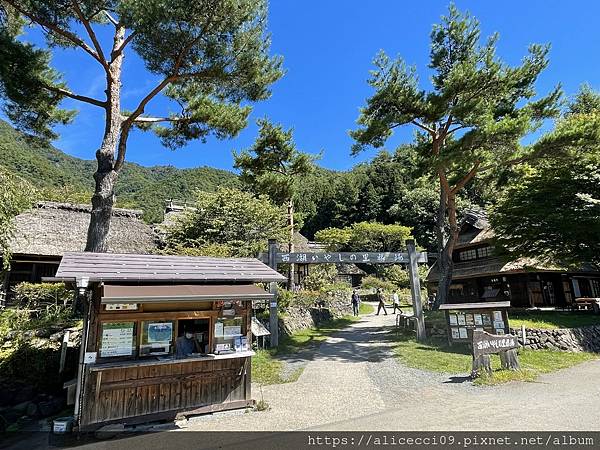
x: 565, y: 339
x: 296, y: 318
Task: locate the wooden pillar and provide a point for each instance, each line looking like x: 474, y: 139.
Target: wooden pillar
x: 415, y: 288
x: 273, y: 321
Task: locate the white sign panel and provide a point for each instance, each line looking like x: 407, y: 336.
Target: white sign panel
x: 117, y: 339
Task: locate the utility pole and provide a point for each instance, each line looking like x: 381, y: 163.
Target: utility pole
x: 273, y: 321
x: 415, y: 288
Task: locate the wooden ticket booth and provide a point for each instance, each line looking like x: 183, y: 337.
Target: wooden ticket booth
x: 163, y: 335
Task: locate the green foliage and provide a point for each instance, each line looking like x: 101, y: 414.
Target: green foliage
x: 372, y: 282
x: 235, y: 222
x: 396, y: 274
x: 553, y: 212
x: 273, y: 165
x: 210, y: 62
x: 320, y: 277
x: 15, y: 196
x: 365, y: 236
x: 34, y: 295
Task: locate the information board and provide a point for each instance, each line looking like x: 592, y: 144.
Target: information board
x: 117, y: 339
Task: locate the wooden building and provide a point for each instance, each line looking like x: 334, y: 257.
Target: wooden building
x: 163, y: 335
x: 481, y: 275
x: 43, y: 234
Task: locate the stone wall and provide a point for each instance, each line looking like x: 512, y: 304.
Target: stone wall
x: 335, y: 305
x: 565, y: 339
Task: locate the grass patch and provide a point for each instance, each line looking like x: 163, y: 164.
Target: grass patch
x: 437, y: 356
x: 266, y: 369
x: 366, y: 308
x: 552, y: 319
x: 308, y: 337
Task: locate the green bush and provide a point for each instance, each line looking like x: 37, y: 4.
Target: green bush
x: 371, y: 282
x: 320, y: 275
x: 36, y: 295
x: 396, y: 274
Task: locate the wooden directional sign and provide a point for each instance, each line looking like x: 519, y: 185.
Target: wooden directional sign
x: 348, y: 257
x: 485, y: 343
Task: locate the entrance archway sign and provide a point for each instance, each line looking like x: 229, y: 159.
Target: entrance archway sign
x: 411, y: 258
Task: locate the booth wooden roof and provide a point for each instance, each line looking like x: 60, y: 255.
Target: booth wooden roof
x: 166, y: 269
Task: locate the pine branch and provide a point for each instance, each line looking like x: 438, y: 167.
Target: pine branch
x: 91, y: 34
x: 81, y: 98
x: 56, y: 29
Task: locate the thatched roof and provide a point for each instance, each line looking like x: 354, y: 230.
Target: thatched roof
x: 475, y: 229
x: 301, y: 244
x: 52, y: 229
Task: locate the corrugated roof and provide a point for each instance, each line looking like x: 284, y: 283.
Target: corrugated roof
x: 158, y: 268
x: 52, y: 229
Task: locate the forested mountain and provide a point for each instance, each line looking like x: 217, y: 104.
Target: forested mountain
x: 388, y: 189
x: 64, y: 177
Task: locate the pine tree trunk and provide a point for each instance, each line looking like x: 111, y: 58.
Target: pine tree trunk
x: 105, y: 177
x: 446, y: 242
x: 291, y: 243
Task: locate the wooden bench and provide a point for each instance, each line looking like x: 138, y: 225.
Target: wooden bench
x: 587, y: 303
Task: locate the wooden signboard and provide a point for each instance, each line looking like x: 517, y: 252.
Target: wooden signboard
x: 348, y: 257
x: 485, y: 344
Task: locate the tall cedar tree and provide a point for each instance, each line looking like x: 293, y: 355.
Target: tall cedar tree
x: 274, y: 166
x: 208, y: 56
x: 470, y: 122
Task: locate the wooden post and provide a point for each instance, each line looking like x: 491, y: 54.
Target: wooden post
x: 509, y: 360
x: 415, y: 288
x: 273, y: 321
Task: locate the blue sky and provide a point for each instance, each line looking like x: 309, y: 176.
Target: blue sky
x: 328, y: 47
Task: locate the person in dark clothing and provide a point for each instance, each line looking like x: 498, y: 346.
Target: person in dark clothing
x: 381, y: 304
x: 355, y: 303
x: 186, y: 345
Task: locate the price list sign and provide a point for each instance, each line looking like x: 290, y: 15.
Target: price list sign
x: 117, y: 339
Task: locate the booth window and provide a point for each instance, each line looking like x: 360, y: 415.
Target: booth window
x: 156, y: 337
x: 117, y: 339
x: 228, y: 334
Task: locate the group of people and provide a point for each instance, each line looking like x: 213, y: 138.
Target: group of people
x: 380, y: 305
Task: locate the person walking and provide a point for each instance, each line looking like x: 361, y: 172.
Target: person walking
x: 396, y: 302
x: 381, y: 304
x: 355, y: 303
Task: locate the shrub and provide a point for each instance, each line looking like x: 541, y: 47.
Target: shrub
x: 35, y: 295
x: 396, y: 274
x: 320, y: 275
x: 371, y: 282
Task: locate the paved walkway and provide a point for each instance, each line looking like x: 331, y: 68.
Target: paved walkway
x: 354, y: 383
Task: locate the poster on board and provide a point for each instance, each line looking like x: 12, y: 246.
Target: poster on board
x: 117, y: 339
x: 455, y: 334
x: 453, y: 319
x: 463, y: 333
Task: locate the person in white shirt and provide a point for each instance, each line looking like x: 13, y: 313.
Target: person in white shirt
x: 396, y: 302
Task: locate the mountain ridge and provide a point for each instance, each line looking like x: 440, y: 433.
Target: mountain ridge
x: 61, y: 175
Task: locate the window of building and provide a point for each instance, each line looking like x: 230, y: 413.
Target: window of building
x: 156, y: 337
x: 595, y: 287
x: 484, y: 252
x: 467, y: 255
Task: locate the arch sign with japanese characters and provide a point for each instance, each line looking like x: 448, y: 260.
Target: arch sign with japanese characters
x: 411, y: 258
x: 348, y: 257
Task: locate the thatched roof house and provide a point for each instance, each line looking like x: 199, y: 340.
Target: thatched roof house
x: 51, y: 229
x: 43, y: 234
x: 480, y: 274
